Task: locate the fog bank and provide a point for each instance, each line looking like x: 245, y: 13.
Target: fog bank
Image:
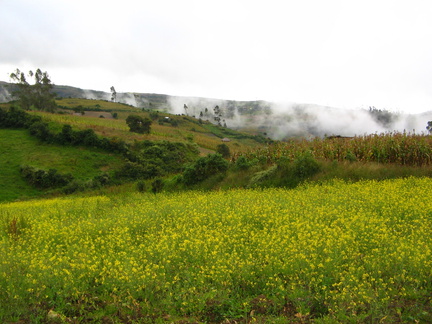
x: 284, y: 120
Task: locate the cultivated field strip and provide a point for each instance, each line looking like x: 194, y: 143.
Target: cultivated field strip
x: 337, y: 251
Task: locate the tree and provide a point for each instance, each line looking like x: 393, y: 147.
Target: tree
x: 429, y: 127
x: 138, y: 124
x: 113, y: 94
x: 223, y: 150
x: 38, y: 95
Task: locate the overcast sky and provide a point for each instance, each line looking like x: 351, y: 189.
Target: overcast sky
x: 349, y: 54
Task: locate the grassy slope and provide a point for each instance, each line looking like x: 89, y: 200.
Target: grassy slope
x: 18, y: 148
x: 206, y: 135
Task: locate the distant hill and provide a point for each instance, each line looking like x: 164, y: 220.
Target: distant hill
x: 276, y: 121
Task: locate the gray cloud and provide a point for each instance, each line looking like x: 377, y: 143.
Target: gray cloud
x: 337, y: 53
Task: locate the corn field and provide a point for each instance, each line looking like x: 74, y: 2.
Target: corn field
x: 400, y: 148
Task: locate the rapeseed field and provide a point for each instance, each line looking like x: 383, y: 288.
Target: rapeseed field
x: 328, y: 253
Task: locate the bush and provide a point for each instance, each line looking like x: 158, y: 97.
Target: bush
x: 242, y: 163
x: 141, y: 186
x: 154, y: 115
x: 88, y: 137
x: 41, y: 131
x: 205, y: 167
x: 262, y: 178
x: 306, y: 166
x: 101, y: 180
x: 157, y: 185
x: 66, y: 136
x: 138, y: 124
x: 223, y: 150
x: 16, y: 117
x: 75, y: 186
x: 133, y: 170
x: 45, y: 179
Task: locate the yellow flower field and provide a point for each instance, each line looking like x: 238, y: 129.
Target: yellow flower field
x: 327, y: 253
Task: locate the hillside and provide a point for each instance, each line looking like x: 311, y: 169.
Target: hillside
x: 38, y: 148
x: 87, y: 159
x: 278, y: 121
x: 157, y: 228
x: 18, y: 148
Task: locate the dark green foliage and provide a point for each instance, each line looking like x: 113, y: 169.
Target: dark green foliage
x: 264, y: 178
x: 429, y: 127
x: 154, y: 115
x: 138, y: 124
x: 169, y: 156
x: 382, y: 116
x: 15, y: 117
x: 102, y: 180
x: 287, y: 173
x: 350, y: 156
x: 306, y: 166
x: 45, y: 179
x: 173, y: 122
x: 81, y: 185
x: 41, y: 131
x: 242, y: 163
x: 223, y: 150
x: 39, y: 95
x: 88, y: 137
x: 67, y: 135
x: 157, y: 185
x: 79, y: 109
x: 74, y: 186
x: 141, y: 186
x: 204, y: 168
x: 133, y: 170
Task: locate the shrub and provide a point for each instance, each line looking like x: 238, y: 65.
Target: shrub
x: 15, y: 117
x: 223, y: 150
x: 133, y: 170
x: 138, y: 124
x: 154, y: 115
x: 41, y: 131
x: 45, y: 179
x: 157, y: 185
x: 88, y: 137
x: 75, y: 186
x: 205, y: 167
x: 259, y: 178
x: 141, y: 186
x: 306, y: 166
x: 66, y: 136
x: 101, y: 180
x: 242, y: 163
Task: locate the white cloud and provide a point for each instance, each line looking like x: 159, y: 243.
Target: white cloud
x: 342, y: 53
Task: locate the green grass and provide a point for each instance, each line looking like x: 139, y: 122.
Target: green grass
x: 18, y: 148
x: 89, y: 104
x: 205, y: 135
